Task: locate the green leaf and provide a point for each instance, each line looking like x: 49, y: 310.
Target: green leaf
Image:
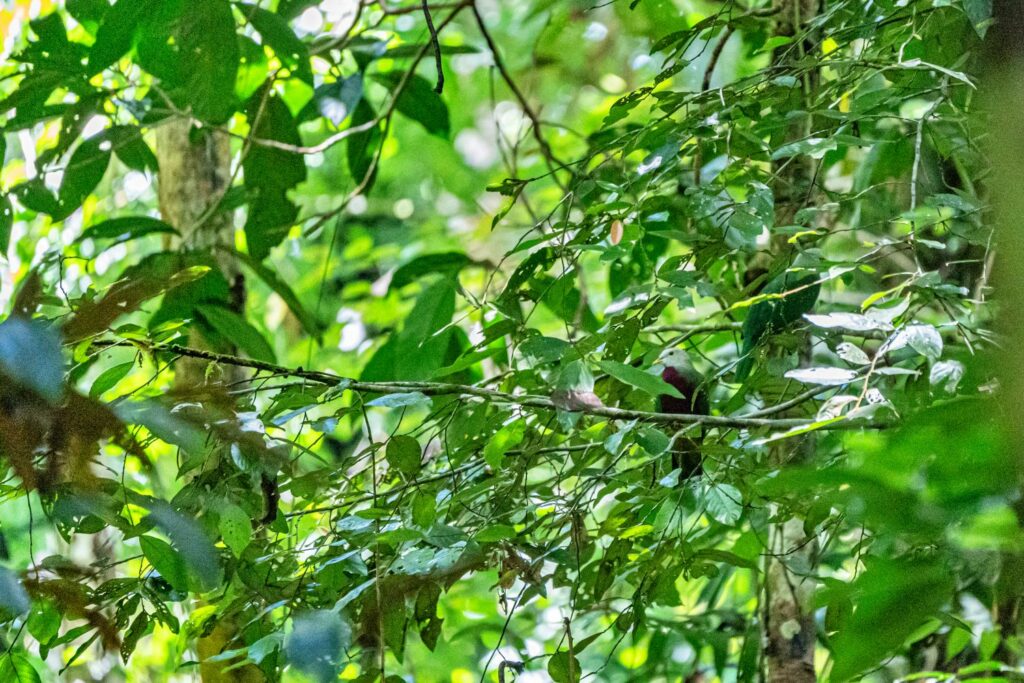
x: 724, y: 503
x: 638, y: 378
x: 893, y: 598
x: 403, y: 453
x: 163, y: 424
x: 564, y: 668
x: 6, y: 222
x: 190, y: 541
x: 253, y: 68
x: 85, y: 170
x: 44, y: 621
x: 278, y: 35
x: 426, y: 342
x: 235, y: 528
x: 237, y: 329
x: 269, y: 174
x: 166, y: 561
x: 419, y: 102
x: 116, y: 34
x: 361, y: 147
x: 34, y: 196
x: 506, y: 438
x: 401, y: 400
x: 88, y: 11
x: 424, y: 509
x: 495, y: 532
x: 447, y: 263
x: 126, y: 228
x: 135, y: 632
x: 209, y: 54
x: 393, y: 623
x: 130, y: 147
x: 266, y: 646
x: 109, y: 378
x: 17, y: 668
x: 309, y: 322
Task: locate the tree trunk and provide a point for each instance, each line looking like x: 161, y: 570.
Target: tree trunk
x: 788, y: 626
x: 788, y: 621
x: 195, y: 173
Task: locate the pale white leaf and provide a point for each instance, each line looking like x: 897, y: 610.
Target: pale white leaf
x: 924, y: 339
x: 947, y: 374
x: 852, y: 354
x: 723, y: 503
x: 896, y: 372
x: 835, y: 406
x: 888, y: 312
x: 824, y: 376
x: 847, y: 321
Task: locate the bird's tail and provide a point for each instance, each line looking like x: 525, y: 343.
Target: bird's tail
x: 687, y: 458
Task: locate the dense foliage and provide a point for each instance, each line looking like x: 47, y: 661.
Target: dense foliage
x: 384, y: 406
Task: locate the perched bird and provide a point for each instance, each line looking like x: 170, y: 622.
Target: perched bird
x: 774, y: 315
x: 688, y: 381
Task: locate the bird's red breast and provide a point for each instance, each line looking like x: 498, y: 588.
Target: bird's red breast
x: 694, y: 401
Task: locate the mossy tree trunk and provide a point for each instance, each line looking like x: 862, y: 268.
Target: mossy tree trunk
x: 195, y: 173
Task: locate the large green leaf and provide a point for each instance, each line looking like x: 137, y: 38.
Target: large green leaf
x: 14, y: 666
x: 235, y: 528
x: 270, y: 276
x: 404, y: 454
x: 421, y: 347
x: 6, y: 223
x: 191, y: 544
x: 419, y: 102
x: 85, y: 170
x: 892, y: 599
x: 191, y: 46
x: 278, y: 35
x: 638, y: 378
x: 126, y: 228
x: 234, y: 327
x: 166, y: 561
x: 116, y: 33
x: 361, y: 147
x: 269, y: 174
x: 130, y: 147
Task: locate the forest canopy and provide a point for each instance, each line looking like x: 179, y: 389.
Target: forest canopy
x: 534, y: 340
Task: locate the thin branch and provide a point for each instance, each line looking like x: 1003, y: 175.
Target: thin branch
x: 440, y: 476
x: 716, y: 54
x: 445, y: 389
x: 728, y: 326
x: 538, y: 134
x: 439, y: 88
x: 331, y: 141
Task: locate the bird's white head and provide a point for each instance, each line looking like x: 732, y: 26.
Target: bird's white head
x: 676, y: 358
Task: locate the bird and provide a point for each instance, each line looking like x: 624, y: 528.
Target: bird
x: 772, y: 316
x: 690, y: 383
